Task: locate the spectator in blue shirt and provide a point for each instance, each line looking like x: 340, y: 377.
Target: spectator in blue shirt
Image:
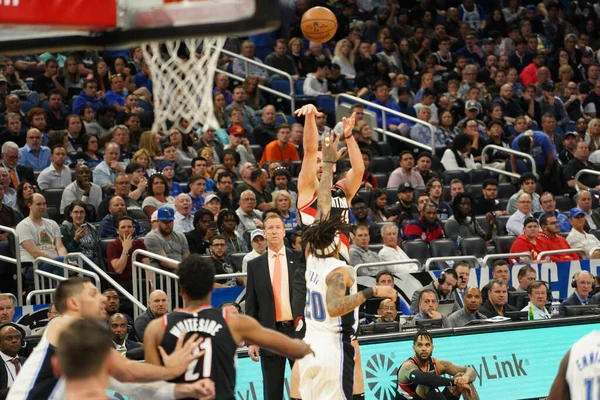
x: 548, y: 203
x: 421, y: 132
x: 142, y: 79
x: 116, y: 95
x: 541, y: 149
x: 472, y: 50
x: 88, y: 98
x: 33, y: 154
x: 382, y: 98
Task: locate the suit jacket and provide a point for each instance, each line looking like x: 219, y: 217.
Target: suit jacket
x: 4, y: 379
x: 572, y: 300
x: 25, y: 173
x: 259, y: 292
x: 595, y: 218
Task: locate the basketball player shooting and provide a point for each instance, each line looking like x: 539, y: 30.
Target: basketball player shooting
x: 419, y: 376
x: 331, y: 298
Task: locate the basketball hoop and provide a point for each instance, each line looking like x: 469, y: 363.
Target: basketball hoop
x: 182, y: 73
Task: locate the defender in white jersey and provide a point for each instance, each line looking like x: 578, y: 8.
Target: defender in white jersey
x: 578, y: 376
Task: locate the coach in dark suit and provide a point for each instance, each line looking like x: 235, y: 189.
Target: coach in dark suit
x: 17, y: 173
x: 582, y: 282
x: 269, y: 299
x: 11, y: 337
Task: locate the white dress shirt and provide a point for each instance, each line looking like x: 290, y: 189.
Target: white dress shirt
x: 10, y: 368
x: 285, y: 287
x: 515, y: 223
x: 583, y: 240
x: 183, y: 223
x: 590, y: 220
x: 50, y: 178
x: 396, y: 254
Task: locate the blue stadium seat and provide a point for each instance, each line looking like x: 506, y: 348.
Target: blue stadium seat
x: 327, y: 103
x: 26, y: 106
x: 299, y: 87
x: 281, y: 85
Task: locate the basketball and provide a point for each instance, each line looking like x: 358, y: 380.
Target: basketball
x: 319, y: 24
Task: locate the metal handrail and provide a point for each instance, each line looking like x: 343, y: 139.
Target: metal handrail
x: 505, y: 256
x: 581, y: 172
x: 393, y: 112
x: 564, y: 251
x: 385, y: 263
x: 592, y: 250
x: 220, y: 277
x: 83, y: 259
x: 509, y: 151
x: 289, y: 96
x: 453, y: 258
x: 41, y: 292
x: 16, y: 261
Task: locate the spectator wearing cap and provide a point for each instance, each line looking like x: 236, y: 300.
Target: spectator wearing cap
x: 167, y: 169
x: 392, y: 252
x: 166, y: 242
x: 529, y: 74
x: 120, y: 250
x: 569, y: 142
x: 471, y: 50
x: 212, y: 203
x: 549, y: 239
x: 548, y: 203
x: 472, y: 112
x: 184, y: 220
x: 578, y: 238
x: 405, y: 173
x: 259, y: 246
x: 240, y: 144
x: 281, y: 149
x: 404, y: 208
x: 427, y: 227
x: 514, y: 225
x: 553, y: 105
x: 581, y: 160
x: 249, y: 120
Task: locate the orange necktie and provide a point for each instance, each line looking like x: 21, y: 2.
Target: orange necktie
x: 14, y: 179
x: 277, y: 288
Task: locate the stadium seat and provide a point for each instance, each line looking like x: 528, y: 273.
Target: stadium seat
x: 102, y: 252
x: 375, y: 231
x: 419, y: 190
x: 443, y: 248
x: 473, y: 246
x: 27, y: 106
x: 384, y: 148
x: 446, y: 195
x: 501, y: 224
x: 257, y: 150
x: 236, y: 260
x: 505, y: 190
x: 382, y: 179
x: 563, y: 203
x: 416, y: 249
x: 53, y: 197
x: 479, y: 175
x: 185, y: 188
x: 145, y: 224
x: 295, y: 167
x: 436, y: 163
x: 564, y: 234
x: 382, y: 165
x: 375, y: 247
x: 299, y: 87
x: 503, y: 203
x: 482, y: 222
x: 475, y: 190
x: 54, y: 214
x: 504, y: 243
x: 281, y: 85
x: 327, y: 103
x: 462, y: 175
x: 392, y: 195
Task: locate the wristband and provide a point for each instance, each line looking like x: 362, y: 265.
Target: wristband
x: 368, y: 293
x: 125, y: 254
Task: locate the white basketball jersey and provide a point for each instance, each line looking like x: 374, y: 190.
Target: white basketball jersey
x: 583, y: 368
x: 316, y: 316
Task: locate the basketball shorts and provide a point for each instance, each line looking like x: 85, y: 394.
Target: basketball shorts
x: 329, y: 374
x: 446, y: 393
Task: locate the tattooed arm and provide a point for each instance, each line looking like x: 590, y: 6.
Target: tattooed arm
x: 339, y: 304
x: 463, y: 378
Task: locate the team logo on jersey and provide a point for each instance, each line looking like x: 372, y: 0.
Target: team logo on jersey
x: 380, y: 376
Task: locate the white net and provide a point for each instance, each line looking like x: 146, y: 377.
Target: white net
x: 182, y: 81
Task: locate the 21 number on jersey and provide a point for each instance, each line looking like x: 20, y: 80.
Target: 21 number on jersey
x: 191, y: 375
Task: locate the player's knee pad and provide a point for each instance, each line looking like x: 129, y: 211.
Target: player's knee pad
x: 358, y: 396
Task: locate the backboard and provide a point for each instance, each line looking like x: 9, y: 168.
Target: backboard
x: 42, y: 25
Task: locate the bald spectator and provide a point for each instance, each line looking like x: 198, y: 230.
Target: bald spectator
x: 39, y: 237
x: 243, y: 68
x: 510, y: 108
x: 266, y: 131
x: 123, y: 189
x: 281, y: 149
x: 109, y: 224
x: 82, y: 189
x: 105, y: 172
x: 592, y: 218
x: 11, y: 340
x: 57, y: 175
x: 470, y: 311
x: 184, y: 220
x: 117, y: 323
x: 158, y: 305
x: 33, y: 154
x: 514, y: 226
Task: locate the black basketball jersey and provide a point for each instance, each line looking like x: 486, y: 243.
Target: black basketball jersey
x: 339, y: 206
x: 219, y: 360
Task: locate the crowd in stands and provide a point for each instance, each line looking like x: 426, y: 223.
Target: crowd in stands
x: 82, y: 172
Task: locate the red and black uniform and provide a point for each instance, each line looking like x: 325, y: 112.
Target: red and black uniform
x: 410, y: 387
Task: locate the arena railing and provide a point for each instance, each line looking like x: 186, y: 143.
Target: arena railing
x: 543, y: 254
x: 144, y: 278
x: 40, y: 277
x: 289, y: 96
x: 385, y: 111
x: 82, y: 260
x: 506, y: 256
x: 509, y: 151
x: 592, y: 250
x: 385, y: 264
x: 472, y: 259
x: 16, y: 261
x: 43, y: 292
x: 581, y: 172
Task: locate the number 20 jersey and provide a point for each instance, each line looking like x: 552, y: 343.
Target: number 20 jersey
x: 316, y: 316
x: 219, y: 360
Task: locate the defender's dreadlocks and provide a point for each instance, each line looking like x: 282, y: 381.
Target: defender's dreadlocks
x: 322, y: 236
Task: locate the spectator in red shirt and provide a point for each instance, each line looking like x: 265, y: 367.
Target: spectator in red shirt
x: 526, y: 243
x: 548, y: 239
x: 426, y: 228
x: 120, y: 250
x: 529, y: 74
